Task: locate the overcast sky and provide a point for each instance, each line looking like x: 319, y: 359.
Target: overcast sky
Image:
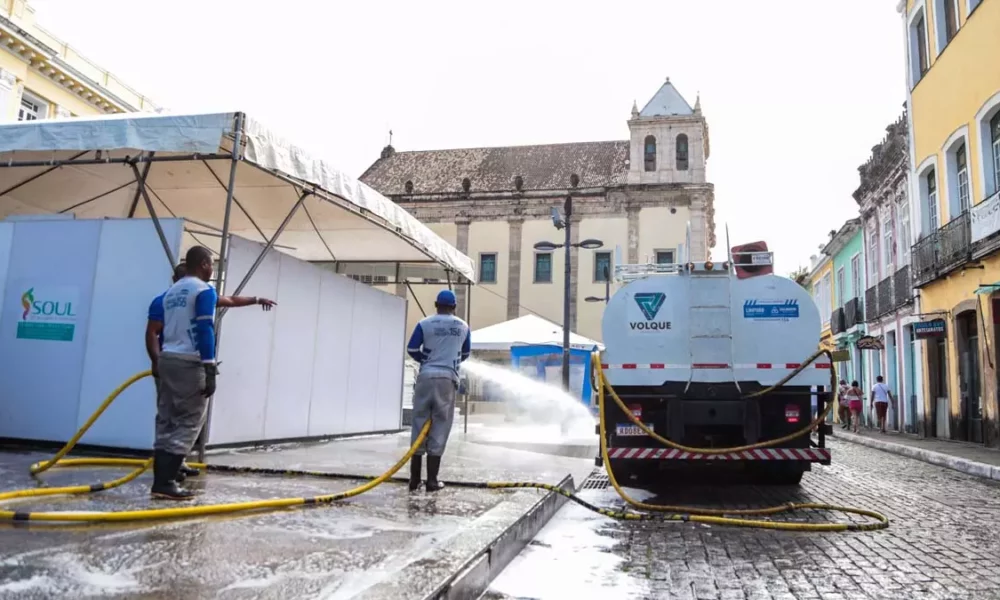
x: 796, y: 92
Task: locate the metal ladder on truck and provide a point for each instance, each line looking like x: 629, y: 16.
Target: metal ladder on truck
x: 710, y: 320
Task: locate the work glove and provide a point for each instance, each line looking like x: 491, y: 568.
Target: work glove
x: 211, y: 371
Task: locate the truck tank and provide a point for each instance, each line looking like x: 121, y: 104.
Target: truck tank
x: 685, y: 344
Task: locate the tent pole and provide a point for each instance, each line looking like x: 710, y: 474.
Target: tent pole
x: 327, y: 246
x: 138, y: 192
x: 223, y: 252
x: 152, y: 215
x: 236, y: 200
x: 37, y: 175
x: 415, y: 299
x: 267, y: 248
x: 97, y: 197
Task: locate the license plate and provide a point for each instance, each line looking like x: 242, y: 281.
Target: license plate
x: 622, y: 430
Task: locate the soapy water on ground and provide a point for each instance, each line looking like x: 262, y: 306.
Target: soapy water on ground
x: 534, y: 403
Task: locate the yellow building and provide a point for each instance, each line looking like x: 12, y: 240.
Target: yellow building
x: 42, y: 77
x: 820, y: 285
x: 953, y: 71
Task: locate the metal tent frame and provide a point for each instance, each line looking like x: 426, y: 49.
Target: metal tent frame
x: 32, y: 154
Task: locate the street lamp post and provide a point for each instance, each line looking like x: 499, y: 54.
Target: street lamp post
x: 607, y: 289
x: 588, y: 244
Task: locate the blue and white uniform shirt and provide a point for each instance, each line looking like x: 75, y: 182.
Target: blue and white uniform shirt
x: 189, y: 319
x: 440, y: 343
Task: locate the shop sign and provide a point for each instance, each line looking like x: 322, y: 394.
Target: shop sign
x: 869, y: 342
x: 929, y: 329
x: 842, y: 355
x: 985, y: 218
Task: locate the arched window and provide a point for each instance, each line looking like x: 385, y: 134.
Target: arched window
x: 650, y: 153
x: 682, y: 152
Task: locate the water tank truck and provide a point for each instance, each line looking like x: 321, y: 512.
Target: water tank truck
x: 687, y: 344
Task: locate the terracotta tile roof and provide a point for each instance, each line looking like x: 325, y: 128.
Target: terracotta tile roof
x: 546, y: 167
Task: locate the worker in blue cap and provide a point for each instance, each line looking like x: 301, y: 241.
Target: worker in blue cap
x: 439, y: 343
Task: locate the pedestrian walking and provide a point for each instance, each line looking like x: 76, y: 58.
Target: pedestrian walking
x: 855, y: 403
x: 154, y: 345
x: 439, y: 343
x: 843, y: 408
x: 881, y: 396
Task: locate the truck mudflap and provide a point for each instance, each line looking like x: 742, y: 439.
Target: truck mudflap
x: 818, y: 455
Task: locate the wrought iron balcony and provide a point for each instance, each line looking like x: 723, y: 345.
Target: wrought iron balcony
x: 942, y: 251
x: 902, y: 287
x: 853, y: 313
x: 885, y: 297
x: 871, y: 304
x: 837, y: 322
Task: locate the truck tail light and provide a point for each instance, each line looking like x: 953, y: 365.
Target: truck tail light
x: 636, y: 410
x: 791, y: 413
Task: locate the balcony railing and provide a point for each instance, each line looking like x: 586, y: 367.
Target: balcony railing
x: 902, y: 287
x: 853, y: 313
x: 942, y: 251
x: 837, y: 322
x: 871, y: 304
x: 885, y: 297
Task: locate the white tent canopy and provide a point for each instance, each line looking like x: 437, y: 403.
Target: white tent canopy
x: 529, y: 330
x: 124, y: 166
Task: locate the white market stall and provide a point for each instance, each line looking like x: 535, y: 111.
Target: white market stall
x: 533, y: 346
x: 529, y: 330
x: 168, y: 182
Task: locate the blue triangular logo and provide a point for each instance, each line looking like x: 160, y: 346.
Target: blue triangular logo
x: 650, y: 303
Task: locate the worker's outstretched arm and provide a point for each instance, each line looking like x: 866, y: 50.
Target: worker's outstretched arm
x: 467, y: 346
x: 415, y: 348
x: 240, y: 301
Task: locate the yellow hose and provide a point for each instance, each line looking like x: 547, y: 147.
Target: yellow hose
x: 163, y: 513
x: 713, y: 516
x: 681, y: 513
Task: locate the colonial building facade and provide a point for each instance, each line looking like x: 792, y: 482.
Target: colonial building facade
x: 495, y: 204
x: 954, y: 117
x: 42, y: 77
x: 884, y: 203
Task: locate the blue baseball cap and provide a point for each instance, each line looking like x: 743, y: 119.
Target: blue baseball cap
x: 446, y: 298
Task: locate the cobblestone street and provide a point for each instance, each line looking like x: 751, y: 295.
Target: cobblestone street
x: 943, y: 541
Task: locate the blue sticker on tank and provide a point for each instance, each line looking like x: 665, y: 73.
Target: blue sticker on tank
x: 771, y: 309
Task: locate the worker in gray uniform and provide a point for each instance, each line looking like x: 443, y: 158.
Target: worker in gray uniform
x: 439, y: 343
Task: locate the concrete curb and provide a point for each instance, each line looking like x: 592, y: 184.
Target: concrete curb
x: 473, y: 579
x: 964, y: 465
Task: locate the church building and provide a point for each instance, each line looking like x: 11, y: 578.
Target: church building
x: 495, y: 204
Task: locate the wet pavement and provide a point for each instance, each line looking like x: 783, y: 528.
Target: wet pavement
x: 386, y: 543
x: 943, y: 541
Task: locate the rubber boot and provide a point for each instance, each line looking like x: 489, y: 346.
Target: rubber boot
x: 189, y: 471
x: 415, y: 464
x: 165, y: 468
x: 433, y: 466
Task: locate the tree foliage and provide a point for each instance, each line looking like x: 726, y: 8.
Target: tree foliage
x: 800, y: 276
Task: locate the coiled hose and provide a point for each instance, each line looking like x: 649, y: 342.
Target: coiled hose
x: 141, y: 465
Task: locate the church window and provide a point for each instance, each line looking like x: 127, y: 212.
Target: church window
x: 682, y: 152
x: 650, y: 153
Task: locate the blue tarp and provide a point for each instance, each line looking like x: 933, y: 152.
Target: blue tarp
x: 544, y: 357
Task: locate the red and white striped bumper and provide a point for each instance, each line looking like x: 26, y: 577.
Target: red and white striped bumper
x: 707, y: 366
x: 800, y: 454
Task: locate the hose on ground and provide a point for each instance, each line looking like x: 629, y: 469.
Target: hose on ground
x: 715, y: 516
x: 694, y: 514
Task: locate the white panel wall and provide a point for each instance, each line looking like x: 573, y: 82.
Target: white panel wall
x: 332, y: 362
x: 132, y: 269
x: 109, y: 271
x: 240, y: 404
x: 328, y: 360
